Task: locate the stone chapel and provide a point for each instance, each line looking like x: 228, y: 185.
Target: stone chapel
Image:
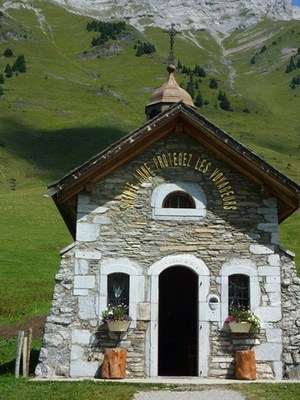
x: 184, y: 219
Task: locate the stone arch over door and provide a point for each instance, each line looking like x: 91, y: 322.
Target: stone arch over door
x: 201, y: 270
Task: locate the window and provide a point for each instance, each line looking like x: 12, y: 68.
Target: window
x: 118, y: 289
x: 116, y: 277
x: 178, y: 200
x: 238, y: 291
x: 239, y: 283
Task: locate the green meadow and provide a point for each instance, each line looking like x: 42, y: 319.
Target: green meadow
x: 74, y: 100
x: 14, y: 390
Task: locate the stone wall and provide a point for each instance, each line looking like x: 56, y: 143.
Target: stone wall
x: 116, y: 222
x: 290, y: 323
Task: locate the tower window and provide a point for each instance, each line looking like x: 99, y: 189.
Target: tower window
x: 239, y: 293
x: 178, y: 199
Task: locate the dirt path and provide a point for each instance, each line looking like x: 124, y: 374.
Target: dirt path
x: 36, y: 323
x: 214, y: 394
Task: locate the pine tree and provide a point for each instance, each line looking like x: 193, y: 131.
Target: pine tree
x: 253, y: 60
x: 184, y: 69
x: 145, y: 48
x: 8, y: 71
x: 213, y: 83
x: 225, y: 103
x: 220, y: 95
x: 179, y: 65
x: 139, y: 51
x: 263, y: 49
x: 201, y: 72
x: 1, y: 91
x: 291, y: 66
x: 8, y: 52
x: 20, y: 64
x: 1, y: 79
x: 190, y: 88
x: 295, y: 82
x: 199, y: 100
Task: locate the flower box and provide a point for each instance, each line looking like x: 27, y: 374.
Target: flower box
x: 240, y: 327
x: 241, y: 319
x: 116, y: 318
x: 118, y: 326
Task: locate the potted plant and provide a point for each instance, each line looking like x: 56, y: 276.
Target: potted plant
x: 241, y: 319
x: 116, y: 318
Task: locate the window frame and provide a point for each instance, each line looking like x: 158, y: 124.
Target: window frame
x: 136, y: 284
x: 233, y: 267
x: 193, y: 190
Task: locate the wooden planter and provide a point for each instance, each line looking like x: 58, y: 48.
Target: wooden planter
x: 245, y: 365
x: 240, y: 327
x: 114, y: 364
x: 118, y: 326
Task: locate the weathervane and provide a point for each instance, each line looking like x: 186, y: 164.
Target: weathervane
x: 172, y: 33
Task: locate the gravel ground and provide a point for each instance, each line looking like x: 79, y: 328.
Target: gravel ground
x: 213, y: 394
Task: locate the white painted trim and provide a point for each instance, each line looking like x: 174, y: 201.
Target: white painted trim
x: 239, y: 266
x: 201, y: 270
x: 136, y: 283
x: 192, y: 189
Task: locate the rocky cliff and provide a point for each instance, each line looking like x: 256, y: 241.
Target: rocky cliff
x: 218, y: 15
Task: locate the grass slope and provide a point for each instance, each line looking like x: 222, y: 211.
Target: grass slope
x: 75, y: 100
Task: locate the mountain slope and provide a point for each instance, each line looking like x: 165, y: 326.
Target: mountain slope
x: 218, y: 15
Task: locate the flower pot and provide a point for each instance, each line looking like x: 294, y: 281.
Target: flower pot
x: 240, y: 327
x: 118, y: 326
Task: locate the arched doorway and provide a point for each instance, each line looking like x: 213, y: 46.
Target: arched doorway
x: 178, y: 322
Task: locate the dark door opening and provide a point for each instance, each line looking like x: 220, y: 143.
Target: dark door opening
x: 178, y: 322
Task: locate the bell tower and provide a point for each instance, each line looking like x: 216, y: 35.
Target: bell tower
x: 170, y: 92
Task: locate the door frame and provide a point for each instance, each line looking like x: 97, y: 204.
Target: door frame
x: 201, y: 270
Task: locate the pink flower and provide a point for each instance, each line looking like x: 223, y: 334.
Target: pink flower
x: 229, y: 319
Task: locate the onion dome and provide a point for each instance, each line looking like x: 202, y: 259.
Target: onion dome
x: 168, y: 94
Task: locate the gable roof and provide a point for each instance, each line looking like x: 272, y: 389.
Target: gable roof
x: 178, y: 118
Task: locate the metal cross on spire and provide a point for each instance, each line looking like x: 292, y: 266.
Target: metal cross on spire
x: 172, y: 33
